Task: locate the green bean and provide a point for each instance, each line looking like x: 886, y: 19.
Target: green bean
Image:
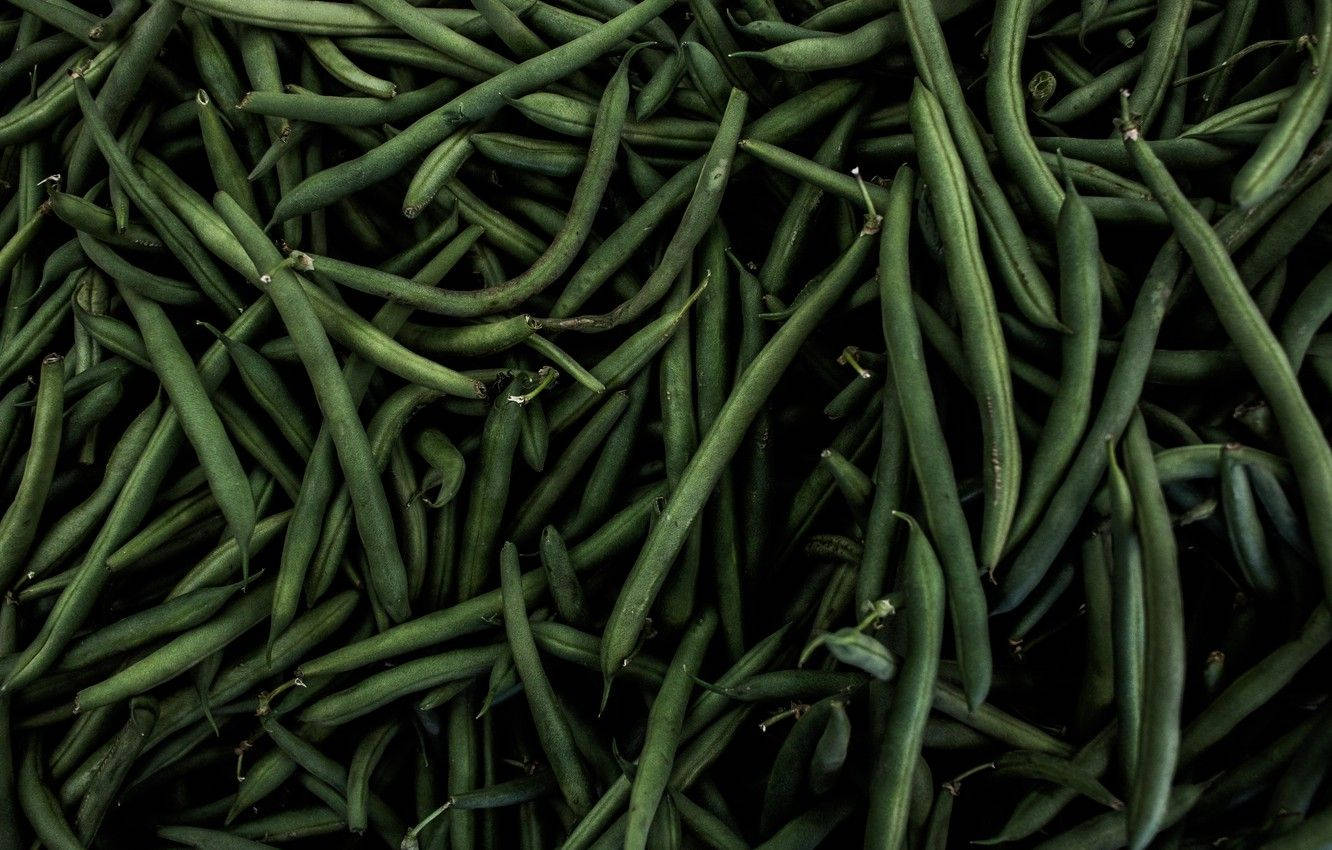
x: 1083, y: 100
x: 164, y: 221
x: 1038, y: 808
x: 790, y: 232
x: 489, y: 490
x: 1163, y: 646
x: 929, y: 456
x: 445, y: 459
x: 85, y: 216
x: 553, y: 159
x: 226, y: 478
x: 30, y: 120
x: 22, y: 60
x: 541, y: 500
x: 984, y: 346
x: 194, y: 836
x: 1080, y: 308
x: 905, y: 723
x: 1107, y: 830
x: 1247, y: 538
x: 40, y: 806
x: 156, y: 287
x: 383, y: 432
x: 1159, y: 58
x: 308, y: 631
x: 659, y: 86
x: 341, y: 68
x: 698, y: 217
x: 1129, y: 615
x: 553, y: 731
x: 19, y: 524
x: 666, y: 718
x: 1301, y: 114
x: 299, y: 104
x: 266, y: 387
x: 1007, y: 110
x: 113, y: 768
x: 174, y: 615
x: 609, y: 468
x: 229, y: 173
x: 715, y: 452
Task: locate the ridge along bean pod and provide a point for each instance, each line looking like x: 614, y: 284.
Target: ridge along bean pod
x: 984, y: 346
x: 1309, y: 453
x: 715, y: 451
x: 552, y: 730
x: 480, y: 101
x: 929, y: 455
x: 370, y: 505
x: 1018, y: 268
x: 19, y: 524
x: 889, y: 786
x: 1080, y: 307
x: 1301, y: 115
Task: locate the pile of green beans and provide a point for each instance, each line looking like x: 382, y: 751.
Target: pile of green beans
x: 672, y: 424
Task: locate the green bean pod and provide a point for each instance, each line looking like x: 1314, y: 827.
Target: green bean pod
x: 19, y: 524
x: 984, y: 345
